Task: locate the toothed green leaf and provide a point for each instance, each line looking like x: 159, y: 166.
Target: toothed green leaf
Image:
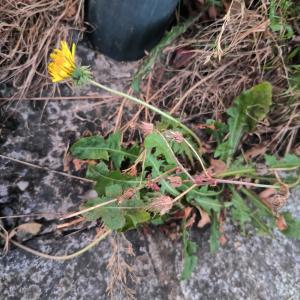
x: 240, y: 211
x: 96, y: 147
x: 105, y: 178
x: 214, y: 233
x: 249, y: 108
x: 190, y: 259
x: 289, y: 161
x: 155, y: 141
x: 293, y: 226
x: 207, y: 203
x: 134, y: 218
x: 262, y: 218
x: 113, y: 191
x: 111, y: 215
x: 158, y: 167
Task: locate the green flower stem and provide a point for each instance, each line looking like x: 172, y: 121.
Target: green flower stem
x: 151, y: 107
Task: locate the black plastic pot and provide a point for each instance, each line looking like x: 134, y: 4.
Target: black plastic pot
x: 124, y: 29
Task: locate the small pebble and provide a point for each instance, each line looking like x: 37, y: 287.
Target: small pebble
x: 237, y: 245
x: 91, y: 194
x: 23, y: 185
x: 5, y: 212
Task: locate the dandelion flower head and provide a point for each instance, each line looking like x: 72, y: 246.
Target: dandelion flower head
x: 63, y: 63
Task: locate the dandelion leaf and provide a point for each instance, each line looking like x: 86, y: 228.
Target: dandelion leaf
x: 205, y: 202
x: 293, y: 226
x: 190, y: 259
x: 111, y: 215
x: 96, y: 147
x: 113, y: 191
x: 249, y: 108
x: 136, y: 217
x: 214, y: 233
x: 240, y: 211
x: 288, y: 161
x: 159, y: 166
x: 156, y: 141
x: 262, y: 218
x: 105, y: 178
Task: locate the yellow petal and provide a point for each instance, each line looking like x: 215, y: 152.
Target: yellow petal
x: 62, y: 63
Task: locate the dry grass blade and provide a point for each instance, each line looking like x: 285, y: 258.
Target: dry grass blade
x: 46, y: 169
x: 99, y: 237
x: 220, y: 61
x: 119, y: 269
x: 202, y: 72
x: 4, y: 236
x: 28, y: 30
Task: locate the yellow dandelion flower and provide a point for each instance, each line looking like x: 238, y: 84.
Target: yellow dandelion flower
x: 63, y: 63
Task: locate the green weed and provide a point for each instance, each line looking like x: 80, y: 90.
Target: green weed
x: 279, y: 12
x: 151, y: 182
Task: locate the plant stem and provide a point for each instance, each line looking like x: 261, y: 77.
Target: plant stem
x: 45, y: 168
x: 197, y: 155
x: 175, y: 158
x: 249, y: 171
x: 294, y: 184
x: 236, y: 172
x: 185, y: 192
x: 83, y: 211
x: 257, y: 201
x: 149, y: 106
x: 237, y: 182
x: 62, y: 257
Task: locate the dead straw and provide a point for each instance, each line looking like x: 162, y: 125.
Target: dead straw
x: 29, y: 30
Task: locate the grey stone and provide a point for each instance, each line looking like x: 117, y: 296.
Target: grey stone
x: 23, y: 185
x: 3, y: 190
x: 258, y: 268
x: 3, y: 193
x: 247, y: 267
